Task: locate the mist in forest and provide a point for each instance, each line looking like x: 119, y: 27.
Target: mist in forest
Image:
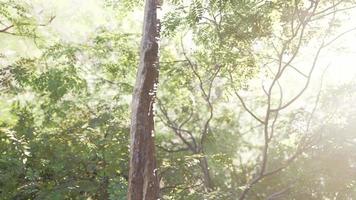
x: 177, y: 100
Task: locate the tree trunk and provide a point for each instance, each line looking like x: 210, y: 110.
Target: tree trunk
x: 143, y: 180
x: 208, y: 184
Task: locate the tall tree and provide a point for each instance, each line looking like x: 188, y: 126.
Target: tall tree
x: 143, y: 180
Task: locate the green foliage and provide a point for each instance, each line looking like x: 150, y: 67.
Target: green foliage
x: 65, y: 113
x: 17, y: 19
x: 68, y: 138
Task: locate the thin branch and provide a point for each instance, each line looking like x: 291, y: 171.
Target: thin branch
x: 338, y: 36
x: 168, y: 122
x: 329, y: 8
x: 6, y: 28
x: 333, y: 12
x: 317, y: 98
x: 312, y: 68
x: 279, y: 193
x: 244, y: 104
x: 301, y: 27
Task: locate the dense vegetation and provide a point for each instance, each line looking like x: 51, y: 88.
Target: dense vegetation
x: 219, y: 134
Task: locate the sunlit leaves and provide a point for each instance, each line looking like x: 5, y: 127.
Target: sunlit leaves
x: 16, y: 19
x: 67, y: 140
x: 64, y: 113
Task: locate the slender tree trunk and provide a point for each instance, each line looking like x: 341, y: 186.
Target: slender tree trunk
x: 208, y: 184
x: 143, y: 180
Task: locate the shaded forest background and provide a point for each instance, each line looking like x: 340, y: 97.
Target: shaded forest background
x: 255, y: 99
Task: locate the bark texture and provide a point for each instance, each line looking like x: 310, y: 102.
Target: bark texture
x: 143, y: 180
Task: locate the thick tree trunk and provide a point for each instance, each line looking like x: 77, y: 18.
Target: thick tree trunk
x: 143, y: 180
